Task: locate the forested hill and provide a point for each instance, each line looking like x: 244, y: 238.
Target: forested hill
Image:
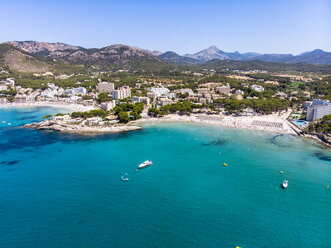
x: 267, y: 66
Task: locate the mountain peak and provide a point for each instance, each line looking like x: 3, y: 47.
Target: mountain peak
x: 318, y: 51
x: 209, y: 53
x: 213, y: 49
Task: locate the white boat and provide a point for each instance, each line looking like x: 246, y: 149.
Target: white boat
x: 145, y: 164
x: 285, y: 184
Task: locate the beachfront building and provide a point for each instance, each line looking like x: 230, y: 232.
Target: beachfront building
x: 106, y: 106
x: 151, y: 95
x: 305, y: 105
x: 105, y: 87
x: 20, y: 98
x: 33, y: 96
x: 79, y: 90
x: 121, y: 93
x: 164, y: 101
x: 76, y: 91
x: 143, y: 99
x: 94, y: 121
x: 3, y: 100
x: 318, y: 109
x: 160, y: 91
x: 74, y: 99
x: 51, y: 92
x: 257, y: 87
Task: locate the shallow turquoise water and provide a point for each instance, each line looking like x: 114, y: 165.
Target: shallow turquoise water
x: 63, y: 190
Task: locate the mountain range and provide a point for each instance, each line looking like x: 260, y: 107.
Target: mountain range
x: 115, y: 54
x: 75, y: 54
x: 34, y: 56
x: 317, y: 56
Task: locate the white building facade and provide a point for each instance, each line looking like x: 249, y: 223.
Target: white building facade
x: 105, y: 87
x: 318, y: 109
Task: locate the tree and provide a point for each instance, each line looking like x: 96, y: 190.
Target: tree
x: 87, y: 97
x: 89, y: 114
x: 10, y: 99
x: 134, y: 115
x: 46, y: 116
x: 153, y: 112
x: 103, y: 97
x: 123, y: 117
x: 117, y: 110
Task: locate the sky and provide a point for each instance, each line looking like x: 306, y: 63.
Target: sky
x: 183, y: 26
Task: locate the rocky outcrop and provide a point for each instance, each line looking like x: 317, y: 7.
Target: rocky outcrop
x: 41, y: 48
x: 72, y: 128
x: 325, y: 139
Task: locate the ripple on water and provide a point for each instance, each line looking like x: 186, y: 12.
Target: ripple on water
x: 216, y: 142
x: 11, y: 162
x: 322, y: 156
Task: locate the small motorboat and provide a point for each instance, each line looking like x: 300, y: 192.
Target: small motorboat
x: 145, y: 164
x: 285, y: 184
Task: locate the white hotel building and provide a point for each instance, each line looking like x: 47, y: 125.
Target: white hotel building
x: 318, y: 109
x: 121, y: 93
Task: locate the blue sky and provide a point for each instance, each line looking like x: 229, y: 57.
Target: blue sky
x: 279, y: 26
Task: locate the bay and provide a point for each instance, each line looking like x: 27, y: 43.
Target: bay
x: 64, y: 190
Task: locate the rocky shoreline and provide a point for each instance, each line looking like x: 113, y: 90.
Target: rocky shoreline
x: 319, y: 138
x: 71, y: 128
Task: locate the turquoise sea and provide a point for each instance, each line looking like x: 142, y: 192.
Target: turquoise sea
x: 64, y: 190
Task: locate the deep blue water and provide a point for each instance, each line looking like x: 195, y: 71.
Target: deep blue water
x: 64, y: 190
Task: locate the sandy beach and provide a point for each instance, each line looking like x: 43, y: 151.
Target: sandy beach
x: 72, y: 107
x: 271, y: 123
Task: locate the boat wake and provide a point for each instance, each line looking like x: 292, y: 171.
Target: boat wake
x: 125, y: 177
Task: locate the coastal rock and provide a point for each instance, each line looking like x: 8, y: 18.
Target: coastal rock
x: 70, y: 128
